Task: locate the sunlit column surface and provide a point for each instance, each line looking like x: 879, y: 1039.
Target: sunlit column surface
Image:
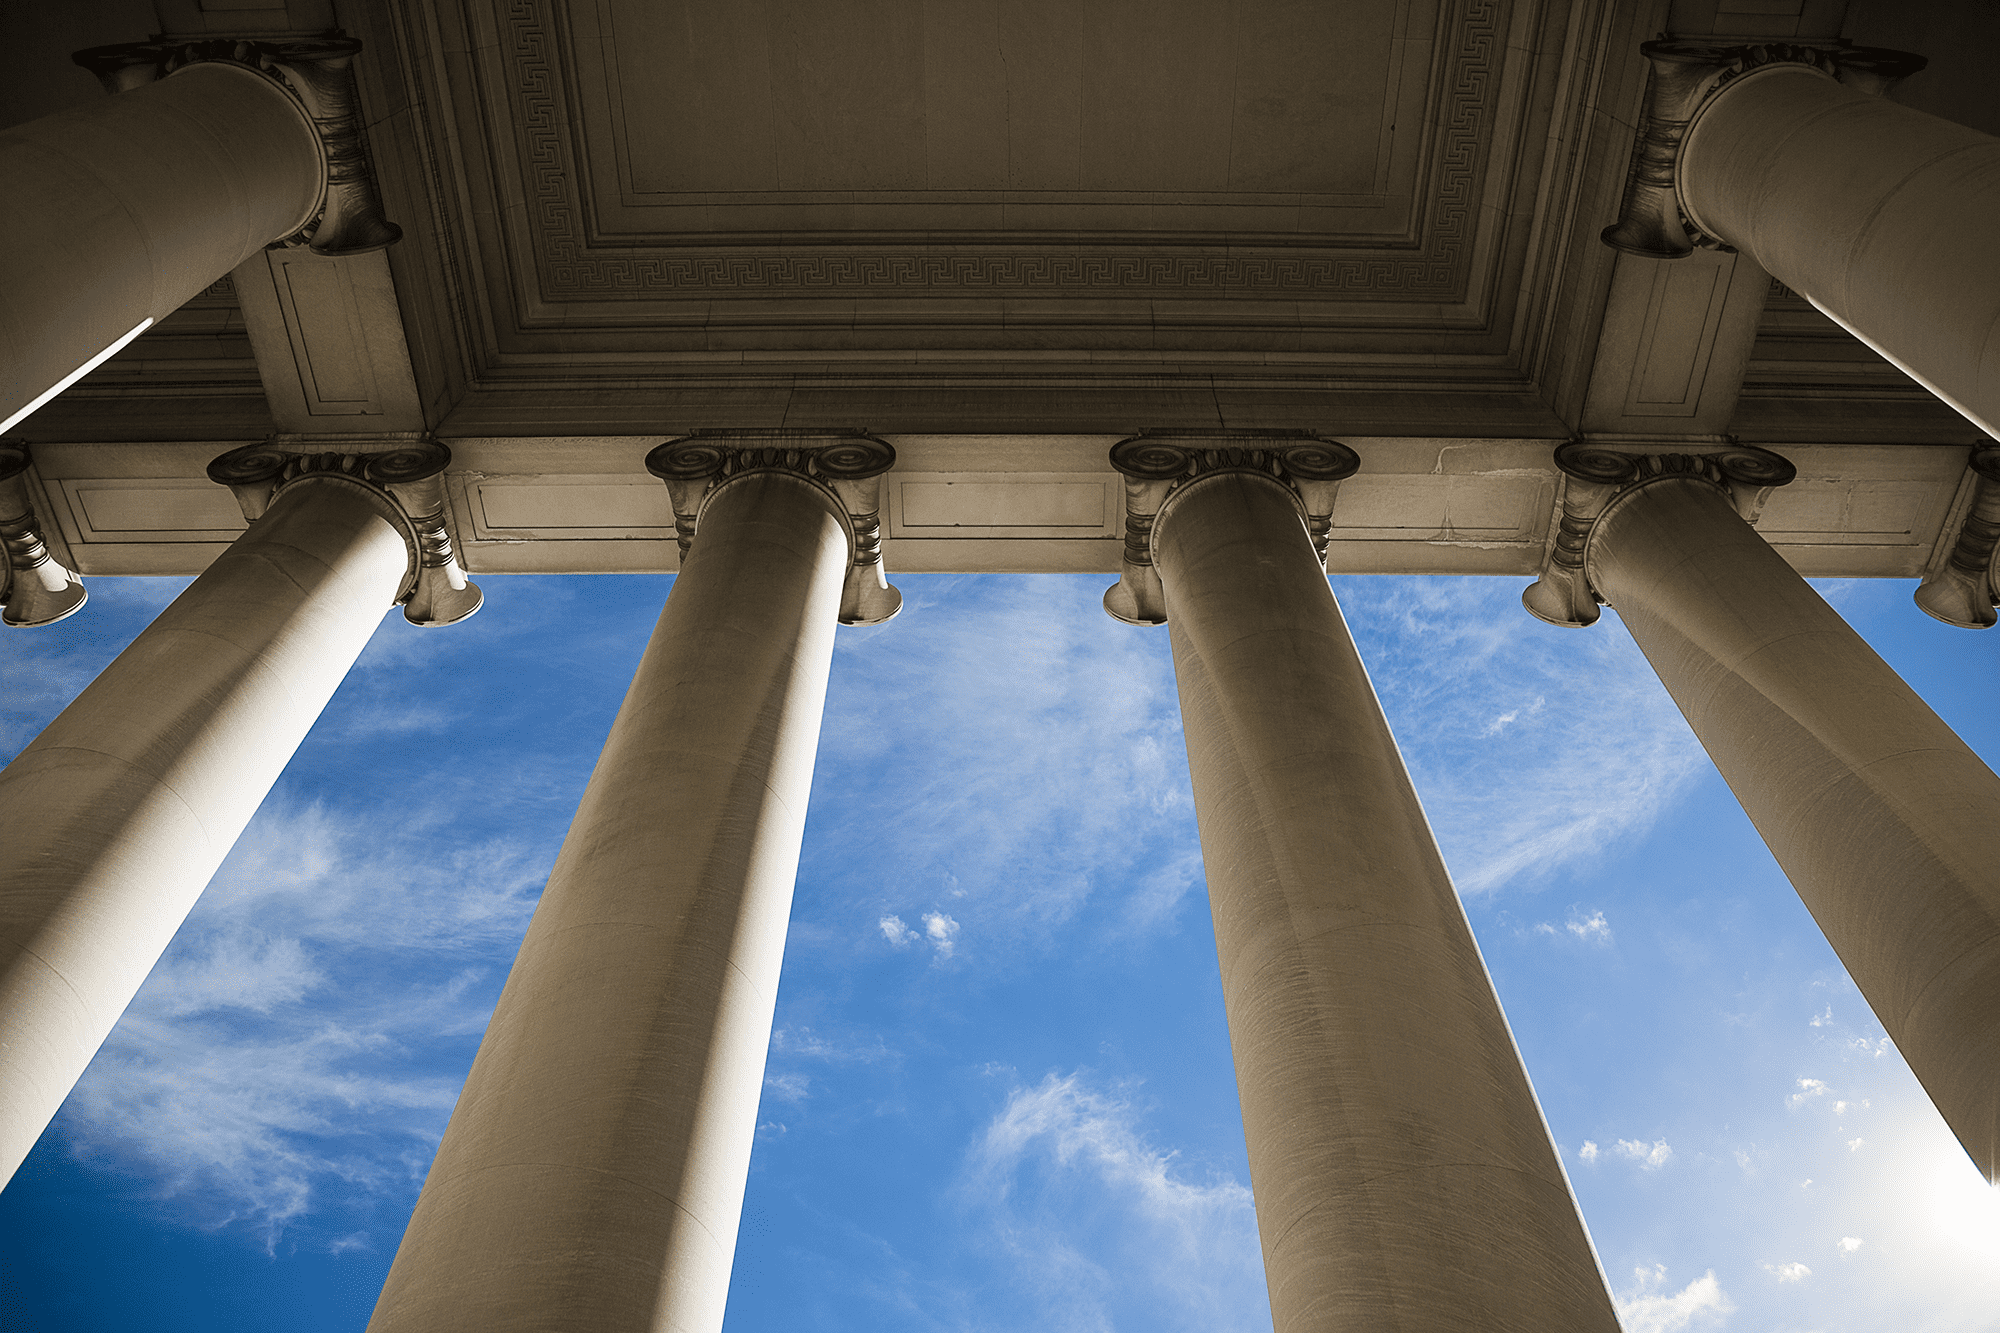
x: 1403, y: 1174
x: 593, y: 1173
x: 1886, y: 823
x: 1881, y: 215
x: 119, y: 212
x: 117, y: 815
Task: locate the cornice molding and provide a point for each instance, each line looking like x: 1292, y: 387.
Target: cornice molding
x: 847, y: 465
x: 1159, y: 465
x: 1597, y: 478
x: 1685, y: 75
x: 35, y: 589
x: 403, y: 474
x: 317, y: 74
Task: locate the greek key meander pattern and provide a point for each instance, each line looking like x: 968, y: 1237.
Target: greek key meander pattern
x: 569, y: 271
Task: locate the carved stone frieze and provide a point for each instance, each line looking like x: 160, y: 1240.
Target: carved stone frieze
x: 1158, y: 463
x: 315, y: 72
x: 34, y: 588
x: 404, y: 474
x: 1598, y: 476
x: 1965, y: 589
x: 1685, y: 75
x: 848, y: 464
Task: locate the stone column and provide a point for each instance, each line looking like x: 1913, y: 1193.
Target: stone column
x: 117, y: 814
x: 593, y: 1172
x: 1886, y: 824
x: 1403, y: 1174
x: 120, y: 212
x: 1880, y: 215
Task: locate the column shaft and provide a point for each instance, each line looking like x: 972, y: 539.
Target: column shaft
x: 117, y: 815
x: 120, y: 212
x: 1403, y: 1174
x: 1880, y: 214
x: 1887, y: 825
x: 593, y: 1172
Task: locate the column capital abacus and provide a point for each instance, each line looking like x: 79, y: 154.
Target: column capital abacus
x: 1964, y: 589
x: 1157, y: 465
x: 35, y: 588
x: 403, y: 474
x: 316, y: 73
x: 1653, y: 220
x: 1598, y: 477
x: 848, y: 465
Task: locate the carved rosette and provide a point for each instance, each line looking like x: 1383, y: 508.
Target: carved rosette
x: 404, y: 475
x: 1652, y: 220
x: 1157, y: 464
x: 315, y: 72
x: 1597, y: 478
x: 1965, y: 589
x: 34, y: 588
x: 849, y: 465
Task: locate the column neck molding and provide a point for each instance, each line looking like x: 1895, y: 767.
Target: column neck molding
x: 1686, y: 76
x: 317, y: 75
x: 35, y: 588
x: 1159, y: 465
x: 1598, y: 479
x: 846, y: 466
x: 403, y: 476
x: 1964, y: 587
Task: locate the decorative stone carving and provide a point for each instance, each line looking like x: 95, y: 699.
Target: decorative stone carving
x: 847, y: 464
x: 1652, y: 221
x: 405, y: 476
x: 315, y: 72
x: 1966, y: 588
x: 1597, y: 477
x: 1157, y: 463
x: 34, y: 588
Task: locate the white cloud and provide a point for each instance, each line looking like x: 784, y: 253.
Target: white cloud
x: 942, y: 932
x: 1854, y: 1145
x: 1567, y: 780
x: 1809, y: 1088
x: 1592, y: 928
x: 894, y: 931
x: 1849, y: 1244
x: 1078, y: 1194
x: 1649, y: 1156
x: 1649, y: 1308
x: 1588, y: 1152
x: 788, y: 1087
x: 282, y: 1039
x: 1793, y: 1272
x: 1823, y: 1018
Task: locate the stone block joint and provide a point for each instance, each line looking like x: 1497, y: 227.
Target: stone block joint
x: 847, y: 465
x: 403, y: 475
x: 317, y: 74
x: 1157, y: 464
x: 1597, y: 478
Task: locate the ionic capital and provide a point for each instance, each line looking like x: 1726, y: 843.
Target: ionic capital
x: 847, y: 465
x: 1653, y: 221
x: 317, y: 74
x: 403, y: 474
x: 1964, y: 590
x: 1598, y: 478
x: 35, y: 589
x: 1158, y: 465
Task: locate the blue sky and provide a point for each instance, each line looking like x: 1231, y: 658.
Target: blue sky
x: 999, y: 1094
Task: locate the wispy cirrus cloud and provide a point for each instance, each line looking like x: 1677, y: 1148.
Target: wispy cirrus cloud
x: 1092, y: 1211
x: 311, y: 1022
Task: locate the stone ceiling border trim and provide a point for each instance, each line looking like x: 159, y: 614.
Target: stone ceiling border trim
x: 570, y: 271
